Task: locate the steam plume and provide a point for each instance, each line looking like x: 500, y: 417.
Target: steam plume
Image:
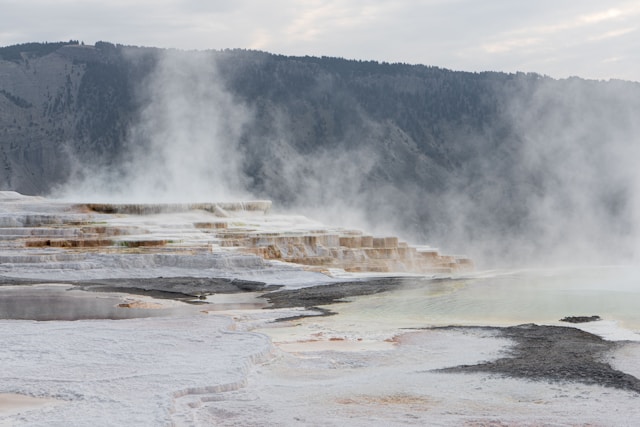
x: 184, y: 146
x: 561, y: 187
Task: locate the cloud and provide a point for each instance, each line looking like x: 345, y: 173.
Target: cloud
x: 511, y: 44
x: 598, y: 17
x: 614, y: 34
x: 546, y: 36
x: 322, y: 18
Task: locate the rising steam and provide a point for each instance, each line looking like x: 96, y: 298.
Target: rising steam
x: 184, y: 146
x: 563, y: 187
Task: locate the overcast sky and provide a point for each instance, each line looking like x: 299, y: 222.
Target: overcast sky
x: 560, y: 38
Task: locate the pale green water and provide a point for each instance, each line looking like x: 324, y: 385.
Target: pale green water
x: 508, y: 298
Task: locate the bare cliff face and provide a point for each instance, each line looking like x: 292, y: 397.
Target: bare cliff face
x: 498, y: 166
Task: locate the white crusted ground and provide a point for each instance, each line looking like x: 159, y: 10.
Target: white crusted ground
x: 240, y: 370
x: 126, y: 372
x: 398, y: 387
x: 205, y: 369
x: 194, y: 371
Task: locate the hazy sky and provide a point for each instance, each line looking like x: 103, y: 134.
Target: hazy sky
x: 587, y: 38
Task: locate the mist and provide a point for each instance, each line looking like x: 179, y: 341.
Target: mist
x: 561, y: 188
x: 564, y: 190
x: 183, y: 147
x: 551, y: 180
x: 579, y: 153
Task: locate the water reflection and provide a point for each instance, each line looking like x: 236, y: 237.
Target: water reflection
x: 62, y: 302
x: 542, y: 296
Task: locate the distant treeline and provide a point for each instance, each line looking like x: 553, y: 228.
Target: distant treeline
x: 32, y: 50
x: 450, y: 156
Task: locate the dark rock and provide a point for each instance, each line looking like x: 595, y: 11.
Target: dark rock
x: 333, y: 293
x: 555, y: 353
x: 173, y: 287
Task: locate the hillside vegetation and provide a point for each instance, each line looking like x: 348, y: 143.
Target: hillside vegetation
x: 503, y: 167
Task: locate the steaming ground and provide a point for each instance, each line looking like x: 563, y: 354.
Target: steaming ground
x: 569, y: 190
x: 548, y: 177
x: 227, y: 361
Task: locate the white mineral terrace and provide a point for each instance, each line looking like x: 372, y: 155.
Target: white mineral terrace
x: 44, y: 238
x: 228, y: 363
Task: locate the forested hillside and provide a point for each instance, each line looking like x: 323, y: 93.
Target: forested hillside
x: 503, y: 167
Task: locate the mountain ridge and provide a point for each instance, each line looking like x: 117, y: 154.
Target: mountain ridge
x: 462, y: 158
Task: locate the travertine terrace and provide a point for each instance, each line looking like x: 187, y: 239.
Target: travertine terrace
x: 75, y: 235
